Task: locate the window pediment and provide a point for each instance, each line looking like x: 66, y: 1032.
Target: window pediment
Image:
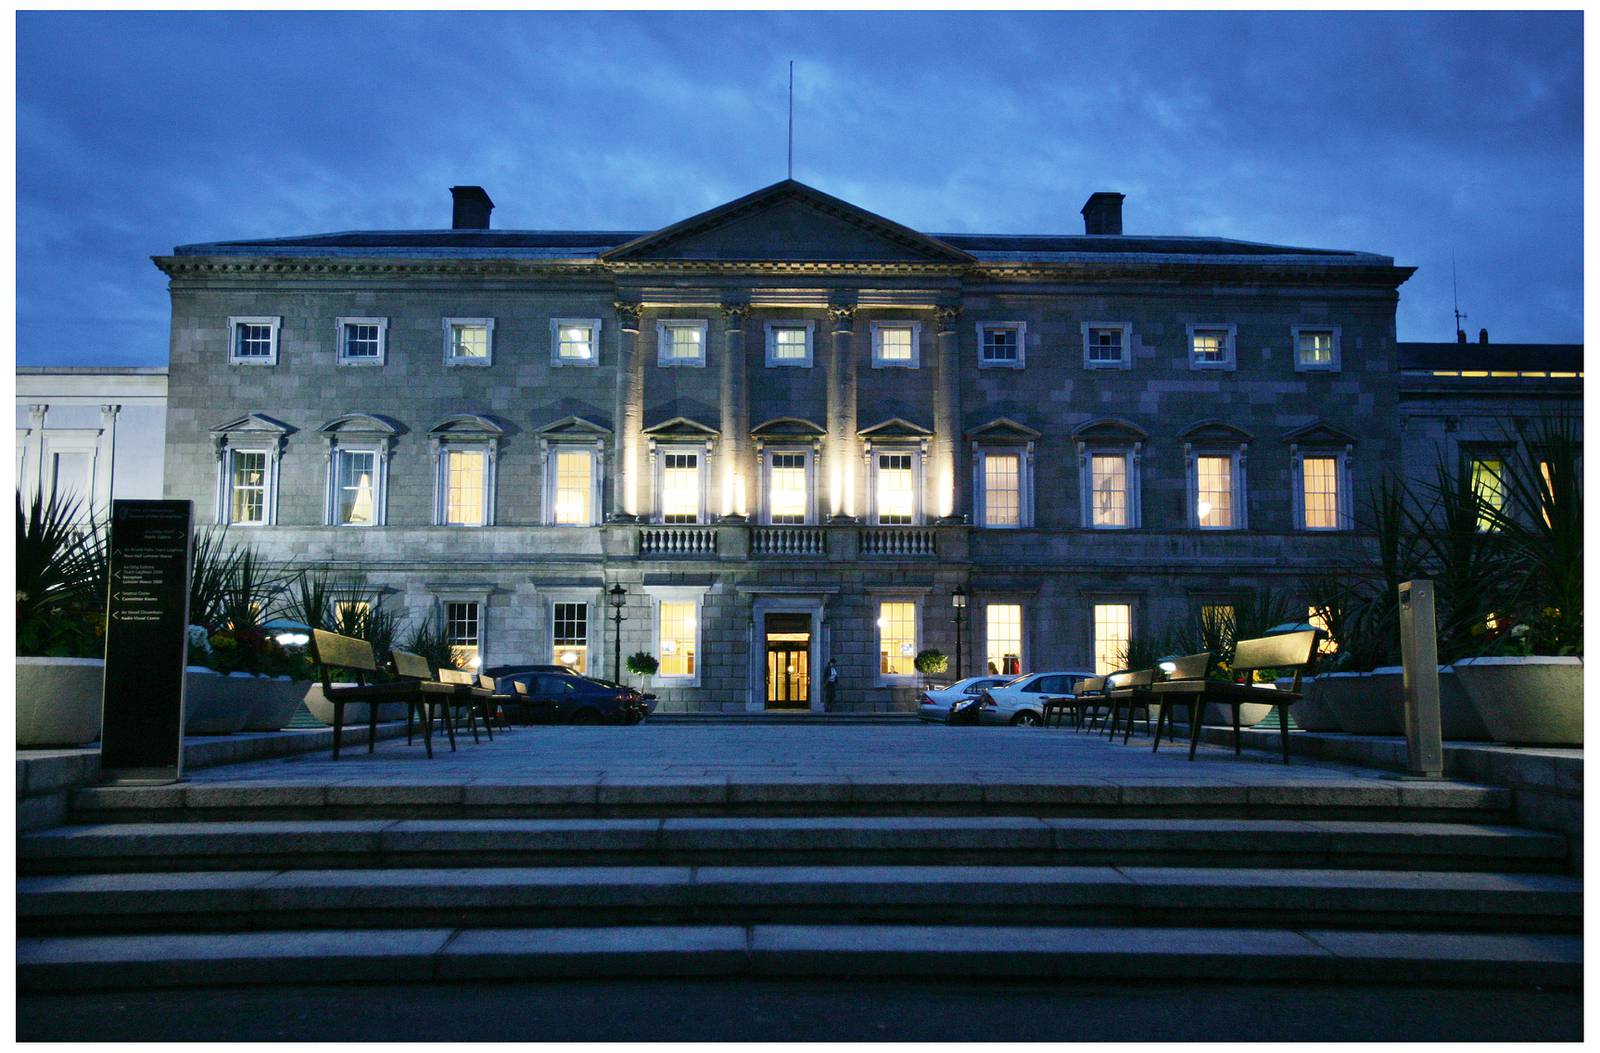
x: 792, y: 428
x: 1110, y: 430
x: 895, y: 428
x: 1319, y: 433
x: 467, y: 426
x: 575, y: 429
x: 682, y: 428
x: 1002, y: 430
x: 258, y: 423
x: 1214, y: 431
x: 361, y: 424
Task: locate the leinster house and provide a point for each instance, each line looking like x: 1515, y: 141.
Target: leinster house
x: 785, y: 431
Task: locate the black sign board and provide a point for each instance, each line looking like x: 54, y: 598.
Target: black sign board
x: 147, y: 627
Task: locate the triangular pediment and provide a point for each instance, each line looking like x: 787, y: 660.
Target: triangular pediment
x: 1214, y: 430
x: 682, y: 427
x: 467, y: 424
x: 788, y: 428
x: 1319, y: 433
x: 258, y: 422
x: 1002, y: 429
x: 573, y: 428
x: 895, y: 428
x: 787, y: 222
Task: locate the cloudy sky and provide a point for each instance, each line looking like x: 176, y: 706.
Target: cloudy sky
x: 1409, y: 135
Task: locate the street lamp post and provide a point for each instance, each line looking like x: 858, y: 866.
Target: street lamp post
x: 958, y: 600
x: 619, y: 598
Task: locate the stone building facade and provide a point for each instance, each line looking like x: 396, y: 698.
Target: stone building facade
x: 789, y: 429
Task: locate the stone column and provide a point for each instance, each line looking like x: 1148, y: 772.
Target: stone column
x: 947, y: 474
x: 628, y: 416
x: 842, y: 467
x: 737, y: 478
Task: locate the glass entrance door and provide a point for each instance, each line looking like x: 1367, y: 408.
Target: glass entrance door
x: 788, y: 643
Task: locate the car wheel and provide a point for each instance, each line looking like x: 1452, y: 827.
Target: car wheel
x: 586, y: 716
x: 1026, y: 719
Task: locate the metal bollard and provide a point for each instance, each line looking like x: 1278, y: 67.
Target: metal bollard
x: 1419, y: 656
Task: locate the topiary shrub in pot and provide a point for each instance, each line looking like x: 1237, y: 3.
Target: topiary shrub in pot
x: 930, y: 662
x: 642, y: 663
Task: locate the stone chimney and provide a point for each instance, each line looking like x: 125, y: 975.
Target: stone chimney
x: 472, y: 208
x: 1483, y: 336
x: 1102, y: 213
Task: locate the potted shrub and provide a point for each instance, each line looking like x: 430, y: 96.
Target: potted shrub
x: 930, y: 662
x: 61, y: 597
x: 239, y: 675
x: 642, y: 663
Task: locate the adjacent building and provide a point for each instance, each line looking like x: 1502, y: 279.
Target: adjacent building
x: 91, y: 433
x: 787, y: 430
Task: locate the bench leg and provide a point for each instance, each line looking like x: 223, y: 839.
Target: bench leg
x: 1162, y: 716
x: 1127, y: 729
x: 488, y: 722
x: 338, y: 727
x: 1236, y: 729
x: 372, y: 726
x: 427, y: 726
x: 410, y: 706
x: 1283, y: 730
x: 449, y: 724
x: 1194, y: 727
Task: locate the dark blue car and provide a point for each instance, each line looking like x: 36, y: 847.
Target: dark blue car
x: 567, y: 698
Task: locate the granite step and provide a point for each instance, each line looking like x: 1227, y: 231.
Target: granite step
x: 767, y: 841
x: 1493, y: 960
x: 555, y: 896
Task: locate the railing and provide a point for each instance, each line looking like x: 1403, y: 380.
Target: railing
x: 897, y: 542
x: 678, y: 541
x: 787, y: 541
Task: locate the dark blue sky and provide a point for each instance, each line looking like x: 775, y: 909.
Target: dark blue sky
x: 1406, y: 134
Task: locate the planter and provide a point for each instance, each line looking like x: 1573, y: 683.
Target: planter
x: 1365, y: 703
x: 58, y: 701
x: 1311, y: 713
x: 1458, y: 717
x: 215, y: 704
x: 1250, y: 714
x: 319, y: 707
x: 277, y: 701
x: 1530, y: 701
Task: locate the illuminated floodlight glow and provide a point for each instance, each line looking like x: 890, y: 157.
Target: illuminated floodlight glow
x: 569, y: 657
x: 292, y: 639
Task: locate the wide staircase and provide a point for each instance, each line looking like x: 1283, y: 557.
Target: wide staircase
x: 247, y: 883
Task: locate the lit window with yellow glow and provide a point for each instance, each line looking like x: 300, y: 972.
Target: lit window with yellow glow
x: 247, y: 484
x: 682, y: 343
x: 1113, y: 628
x: 1488, y: 482
x: 1317, y: 619
x: 1109, y: 490
x: 357, y: 472
x: 787, y: 496
x: 1003, y: 638
x: 897, y: 638
x: 461, y: 633
x: 791, y: 344
x: 1213, y: 504
x: 1319, y: 481
x: 574, y: 488
x: 575, y: 343
x: 680, y: 488
x: 1314, y: 348
x: 677, y: 638
x: 467, y: 341
x: 465, y: 472
x: 1217, y: 619
x: 1210, y: 348
x: 569, y: 636
x: 350, y: 617
x: 896, y: 495
x: 1002, y: 490
x: 894, y: 345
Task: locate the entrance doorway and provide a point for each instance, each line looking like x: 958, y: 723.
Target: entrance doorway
x: 788, y: 648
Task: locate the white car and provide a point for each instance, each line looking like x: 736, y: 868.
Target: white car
x: 934, y: 704
x: 1021, y: 701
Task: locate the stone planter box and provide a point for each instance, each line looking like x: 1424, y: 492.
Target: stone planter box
x: 58, y: 701
x: 215, y: 704
x: 318, y: 706
x: 1311, y: 713
x: 1365, y: 703
x: 1458, y: 717
x: 1250, y: 714
x: 1527, y: 701
x: 277, y: 701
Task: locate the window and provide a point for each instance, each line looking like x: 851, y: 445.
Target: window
x: 350, y: 617
x: 1000, y: 344
x: 253, y: 341
x: 574, y: 341
x: 461, y: 625
x: 897, y: 638
x: 681, y: 343
x: 1488, y: 482
x: 1003, y: 638
x: 1107, y: 345
x: 72, y: 477
x: 679, y: 638
x: 465, y: 487
x: 574, y: 491
x: 896, y: 345
x: 1316, y: 348
x: 1317, y: 619
x: 788, y: 488
x: 1319, y: 488
x: 895, y: 488
x: 1113, y: 629
x: 468, y: 341
x: 680, y: 487
x: 1002, y: 490
x: 1213, y: 505
x: 1218, y: 620
x: 789, y: 343
x: 247, y: 487
x: 355, y: 487
x: 1108, y: 494
x: 362, y: 341
x: 1211, y: 346
x: 569, y: 635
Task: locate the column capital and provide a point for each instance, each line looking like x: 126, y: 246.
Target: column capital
x: 734, y: 314
x: 627, y: 315
x: 947, y: 316
x: 844, y: 317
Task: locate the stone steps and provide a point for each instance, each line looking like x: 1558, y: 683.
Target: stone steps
x: 934, y: 895
x: 352, y: 797
x: 837, y: 840
x: 427, y: 954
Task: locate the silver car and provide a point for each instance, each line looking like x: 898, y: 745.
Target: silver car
x: 934, y: 704
x: 1021, y: 701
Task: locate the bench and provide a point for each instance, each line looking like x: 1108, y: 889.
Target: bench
x: 1285, y: 651
x: 476, y: 697
x: 498, y: 701
x: 431, y: 695
x: 331, y: 651
x: 1130, y: 690
x: 1089, y: 693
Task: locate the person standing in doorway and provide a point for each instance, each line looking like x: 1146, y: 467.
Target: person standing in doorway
x: 830, y: 684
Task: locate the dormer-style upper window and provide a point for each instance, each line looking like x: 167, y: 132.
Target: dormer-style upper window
x: 1316, y: 348
x: 681, y: 342
x: 253, y: 341
x: 362, y: 341
x: 468, y: 341
x: 574, y: 341
x: 1211, y: 347
x: 789, y: 343
x: 1000, y: 344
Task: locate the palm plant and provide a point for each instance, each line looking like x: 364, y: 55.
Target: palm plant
x: 61, y: 579
x: 310, y: 600
x: 251, y: 592
x: 1466, y: 562
x: 431, y: 642
x: 211, y: 567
